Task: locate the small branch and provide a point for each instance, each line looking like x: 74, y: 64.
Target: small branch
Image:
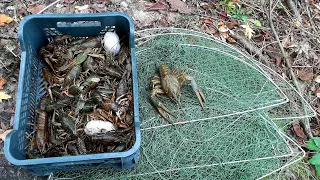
x: 288, y: 64
x: 250, y: 48
x: 52, y: 4
x: 12, y: 52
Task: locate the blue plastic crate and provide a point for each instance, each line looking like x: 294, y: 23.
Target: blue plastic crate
x: 34, y: 31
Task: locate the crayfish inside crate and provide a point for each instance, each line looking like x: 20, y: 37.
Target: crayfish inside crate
x: 88, y: 107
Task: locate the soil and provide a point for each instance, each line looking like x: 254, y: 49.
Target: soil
x: 299, y: 39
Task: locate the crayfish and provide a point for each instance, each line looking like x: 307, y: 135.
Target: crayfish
x: 170, y: 82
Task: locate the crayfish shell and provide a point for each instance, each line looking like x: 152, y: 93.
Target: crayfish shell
x: 96, y: 127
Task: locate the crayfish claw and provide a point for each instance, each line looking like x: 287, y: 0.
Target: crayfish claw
x: 160, y: 107
x: 161, y: 112
x: 197, y: 90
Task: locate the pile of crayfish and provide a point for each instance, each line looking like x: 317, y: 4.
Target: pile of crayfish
x: 88, y: 105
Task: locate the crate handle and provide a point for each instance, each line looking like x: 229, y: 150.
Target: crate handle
x: 68, y: 24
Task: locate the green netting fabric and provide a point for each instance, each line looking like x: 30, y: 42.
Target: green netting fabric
x: 235, y: 138
x: 230, y: 86
x: 290, y: 110
x: 238, y: 147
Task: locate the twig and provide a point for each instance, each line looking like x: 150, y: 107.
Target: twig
x: 52, y: 4
x: 287, y: 61
x: 12, y: 52
x: 252, y: 49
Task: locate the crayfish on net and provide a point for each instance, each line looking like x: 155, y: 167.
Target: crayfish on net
x: 89, y: 106
x: 170, y: 82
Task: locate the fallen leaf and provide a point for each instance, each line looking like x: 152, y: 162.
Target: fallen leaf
x: 179, y: 5
x: 273, y: 52
x: 157, y: 6
x: 224, y: 35
x: 255, y: 22
x: 34, y: 8
x: 306, y: 23
x: 231, y: 25
x: 222, y: 28
x: 317, y: 79
x: 267, y: 35
x: 297, y: 129
x: 5, y: 19
x: 4, y: 96
x: 223, y: 15
x: 2, y: 82
x: 209, y: 30
x: 286, y: 42
x: 318, y: 110
x: 248, y: 31
x: 303, y: 75
x: 164, y: 21
x: 298, y: 24
x: 230, y: 40
x: 208, y: 21
x: 3, y: 126
x: 9, y: 110
x: 4, y: 134
x: 318, y: 92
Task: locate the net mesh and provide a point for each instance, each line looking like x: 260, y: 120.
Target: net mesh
x: 235, y: 138
x: 289, y: 110
x: 237, y: 147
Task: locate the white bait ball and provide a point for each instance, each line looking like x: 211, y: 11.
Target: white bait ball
x: 95, y: 127
x: 111, y: 43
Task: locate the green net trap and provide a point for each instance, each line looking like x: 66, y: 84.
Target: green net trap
x: 234, y: 138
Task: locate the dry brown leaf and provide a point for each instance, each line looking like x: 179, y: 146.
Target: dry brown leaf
x: 208, y: 21
x: 317, y: 79
x: 5, y: 19
x: 318, y: 110
x: 222, y: 27
x: 230, y: 40
x: 318, y: 93
x: 297, y: 129
x: 2, y: 82
x: 179, y: 5
x: 303, y: 75
x: 209, y: 30
x: 3, y: 126
x: 157, y: 6
x: 34, y: 8
x: 4, y: 134
x: 306, y: 23
x: 286, y: 42
x: 273, y: 52
x: 231, y: 25
x: 9, y: 110
x: 267, y: 35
